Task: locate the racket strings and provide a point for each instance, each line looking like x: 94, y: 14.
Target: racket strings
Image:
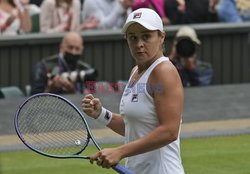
x: 52, y: 126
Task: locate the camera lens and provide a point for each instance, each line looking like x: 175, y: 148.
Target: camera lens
x: 185, y: 47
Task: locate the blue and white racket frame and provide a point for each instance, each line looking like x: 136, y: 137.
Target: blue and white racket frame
x: 118, y: 168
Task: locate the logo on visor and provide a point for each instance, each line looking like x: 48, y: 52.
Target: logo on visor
x: 137, y: 15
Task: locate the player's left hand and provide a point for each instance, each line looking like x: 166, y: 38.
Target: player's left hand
x: 107, y: 157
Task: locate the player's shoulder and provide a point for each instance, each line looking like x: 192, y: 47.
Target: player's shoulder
x: 164, y: 72
x: 164, y: 68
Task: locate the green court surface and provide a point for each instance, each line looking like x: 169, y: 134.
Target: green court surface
x: 211, y: 155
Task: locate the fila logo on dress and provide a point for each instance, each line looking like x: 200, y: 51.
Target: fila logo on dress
x: 134, y: 98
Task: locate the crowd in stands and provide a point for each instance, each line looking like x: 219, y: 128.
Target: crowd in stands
x: 25, y: 16
x: 50, y: 16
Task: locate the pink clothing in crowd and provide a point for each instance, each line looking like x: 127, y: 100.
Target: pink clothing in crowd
x: 158, y: 6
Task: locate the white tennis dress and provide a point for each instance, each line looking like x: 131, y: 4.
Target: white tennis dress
x: 140, y: 118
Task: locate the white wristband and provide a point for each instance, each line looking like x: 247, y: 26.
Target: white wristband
x: 105, y: 117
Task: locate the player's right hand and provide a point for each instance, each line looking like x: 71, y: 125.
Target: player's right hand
x: 91, y: 106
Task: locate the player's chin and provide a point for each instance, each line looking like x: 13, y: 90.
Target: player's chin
x: 140, y: 57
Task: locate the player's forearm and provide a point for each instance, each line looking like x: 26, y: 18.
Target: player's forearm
x: 117, y: 124
x: 160, y: 137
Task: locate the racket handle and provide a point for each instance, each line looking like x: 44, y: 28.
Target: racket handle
x: 122, y: 170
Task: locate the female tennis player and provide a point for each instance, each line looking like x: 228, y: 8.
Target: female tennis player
x: 151, y: 105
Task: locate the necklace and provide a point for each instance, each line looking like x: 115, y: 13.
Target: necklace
x: 138, y: 75
x: 135, y: 78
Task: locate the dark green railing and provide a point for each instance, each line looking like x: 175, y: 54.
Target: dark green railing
x: 226, y: 46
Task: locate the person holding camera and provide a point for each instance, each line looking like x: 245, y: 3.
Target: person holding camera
x: 193, y: 72
x: 64, y: 72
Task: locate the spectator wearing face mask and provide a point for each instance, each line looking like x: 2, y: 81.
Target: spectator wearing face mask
x: 63, y: 72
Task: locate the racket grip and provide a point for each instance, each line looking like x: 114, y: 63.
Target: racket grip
x: 122, y: 170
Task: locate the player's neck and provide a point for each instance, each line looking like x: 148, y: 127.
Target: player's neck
x: 144, y: 66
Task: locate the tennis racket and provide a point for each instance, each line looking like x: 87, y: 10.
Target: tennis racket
x: 52, y: 126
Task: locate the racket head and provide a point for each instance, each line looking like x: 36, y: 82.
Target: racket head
x: 51, y: 125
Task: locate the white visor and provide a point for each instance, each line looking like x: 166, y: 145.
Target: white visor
x: 146, y: 17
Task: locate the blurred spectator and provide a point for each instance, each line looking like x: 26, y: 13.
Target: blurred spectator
x: 1, y: 94
x: 156, y: 5
x: 36, y: 2
x: 193, y: 72
x: 32, y: 8
x: 64, y: 72
x: 14, y: 18
x: 191, y: 11
x: 34, y: 12
x: 59, y: 15
x: 105, y: 14
x: 234, y: 10
x: 174, y: 11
